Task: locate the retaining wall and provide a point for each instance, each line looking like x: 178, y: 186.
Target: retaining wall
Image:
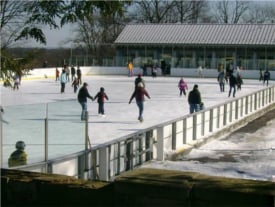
x: 141, y: 187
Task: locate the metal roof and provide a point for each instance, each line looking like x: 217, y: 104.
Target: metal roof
x: 198, y: 34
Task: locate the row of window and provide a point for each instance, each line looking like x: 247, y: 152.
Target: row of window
x: 182, y: 57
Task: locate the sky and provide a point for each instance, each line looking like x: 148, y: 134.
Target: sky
x: 55, y: 38
x: 26, y: 109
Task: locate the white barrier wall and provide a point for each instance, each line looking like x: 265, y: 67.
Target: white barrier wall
x: 210, y: 73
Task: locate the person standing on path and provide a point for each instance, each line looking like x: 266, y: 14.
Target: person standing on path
x: 194, y: 99
x: 63, y: 80
x: 19, y: 156
x: 82, y: 96
x: 139, y: 94
x: 182, y: 87
x: 101, y: 96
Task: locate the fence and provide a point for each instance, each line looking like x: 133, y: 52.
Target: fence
x: 104, y: 162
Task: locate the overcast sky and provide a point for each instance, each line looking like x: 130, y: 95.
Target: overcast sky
x: 55, y: 38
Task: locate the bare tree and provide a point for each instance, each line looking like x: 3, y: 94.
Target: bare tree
x: 230, y: 12
x: 153, y: 11
x: 263, y: 12
x: 189, y: 11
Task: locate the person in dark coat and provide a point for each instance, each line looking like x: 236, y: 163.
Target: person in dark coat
x: 232, y: 85
x: 101, y: 96
x: 266, y: 77
x: 139, y: 94
x: 194, y: 99
x: 138, y: 80
x: 83, y: 94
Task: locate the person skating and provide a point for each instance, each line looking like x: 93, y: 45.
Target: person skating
x: 182, y: 87
x: 266, y: 77
x: 101, y: 96
x: 194, y: 99
x: 79, y: 74
x: 139, y: 94
x: 221, y: 80
x: 63, y: 80
x: 232, y: 85
x: 138, y: 80
x: 83, y: 94
x: 19, y: 156
x: 75, y: 84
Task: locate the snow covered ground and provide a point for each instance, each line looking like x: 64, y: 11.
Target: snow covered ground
x: 248, y: 156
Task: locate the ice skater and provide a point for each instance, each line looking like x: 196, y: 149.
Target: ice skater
x: 232, y: 85
x: 182, y: 87
x: 221, y: 80
x: 75, y: 84
x: 194, y: 99
x: 266, y: 77
x: 138, y: 80
x: 139, y: 94
x: 63, y: 80
x: 83, y: 94
x: 101, y: 96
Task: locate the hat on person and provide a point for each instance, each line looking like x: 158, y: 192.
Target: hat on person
x: 20, y: 145
x: 85, y: 84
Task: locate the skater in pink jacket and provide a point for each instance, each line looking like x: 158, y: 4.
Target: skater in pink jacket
x: 182, y: 87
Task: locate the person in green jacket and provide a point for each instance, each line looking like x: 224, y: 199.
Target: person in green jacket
x: 19, y: 156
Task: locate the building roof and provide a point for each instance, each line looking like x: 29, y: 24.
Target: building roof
x: 198, y: 34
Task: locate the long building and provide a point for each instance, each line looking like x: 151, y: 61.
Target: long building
x: 188, y: 46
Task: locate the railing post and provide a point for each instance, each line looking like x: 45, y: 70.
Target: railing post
x: 195, y: 127
x: 236, y: 109
x: 104, y: 164
x: 174, y: 135
x: 160, y: 144
x: 255, y: 102
x: 46, y: 140
x: 218, y: 117
x: 184, y: 129
x: 246, y: 105
x: 46, y: 145
x: 202, y: 123
x: 211, y: 120
x: 225, y: 115
x: 86, y: 142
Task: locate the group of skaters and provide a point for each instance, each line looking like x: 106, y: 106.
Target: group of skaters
x: 64, y: 77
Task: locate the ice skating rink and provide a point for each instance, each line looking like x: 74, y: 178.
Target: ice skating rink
x: 27, y: 108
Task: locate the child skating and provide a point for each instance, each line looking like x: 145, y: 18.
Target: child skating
x: 101, y: 96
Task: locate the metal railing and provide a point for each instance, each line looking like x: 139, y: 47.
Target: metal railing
x: 105, y: 161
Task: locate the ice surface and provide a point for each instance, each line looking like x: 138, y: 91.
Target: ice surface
x: 247, y: 156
